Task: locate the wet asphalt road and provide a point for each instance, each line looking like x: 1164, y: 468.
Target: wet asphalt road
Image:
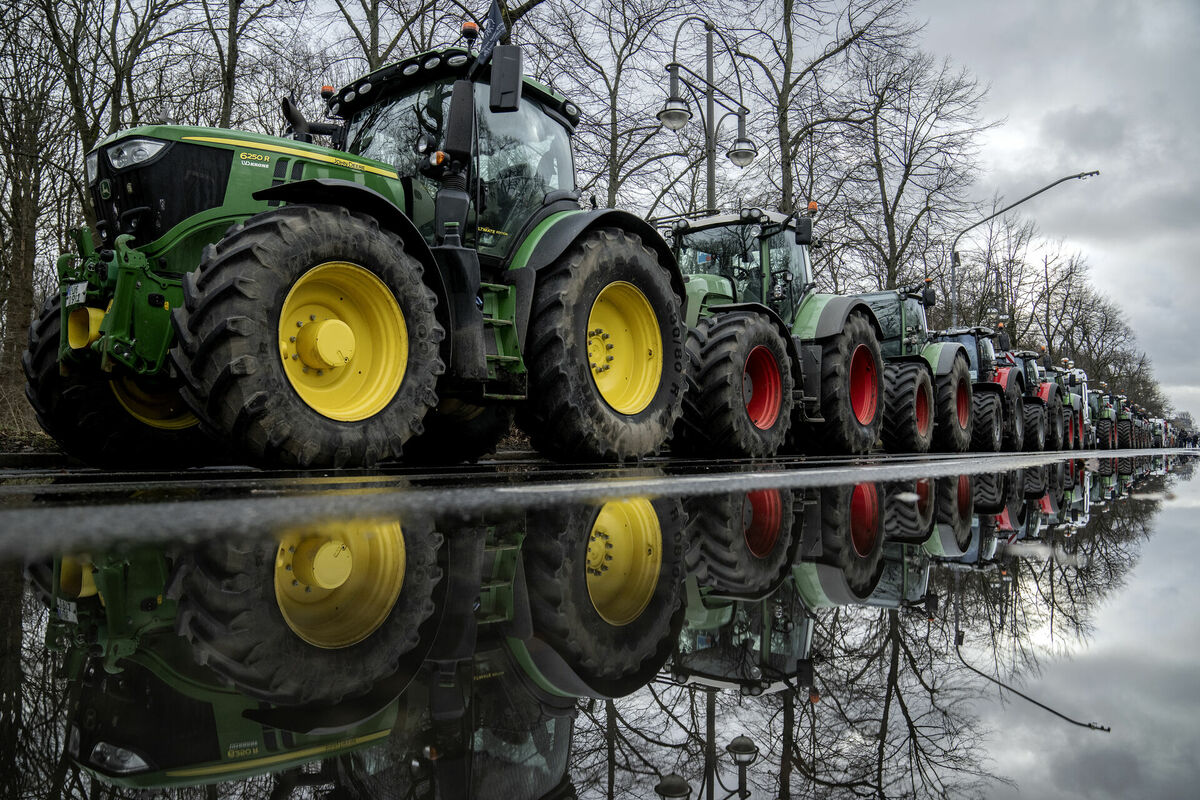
x: 47, y: 503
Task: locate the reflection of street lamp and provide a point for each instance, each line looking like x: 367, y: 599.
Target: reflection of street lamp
x: 742, y: 749
x: 676, y: 112
x: 954, y: 246
x: 673, y: 786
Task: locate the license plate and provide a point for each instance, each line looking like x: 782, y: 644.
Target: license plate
x: 66, y: 610
x: 77, y: 294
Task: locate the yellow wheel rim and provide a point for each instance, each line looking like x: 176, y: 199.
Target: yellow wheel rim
x: 343, y: 341
x: 335, y: 584
x: 624, y: 346
x: 624, y: 558
x: 165, y: 410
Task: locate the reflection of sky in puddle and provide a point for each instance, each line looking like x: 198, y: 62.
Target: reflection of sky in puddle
x: 1136, y: 673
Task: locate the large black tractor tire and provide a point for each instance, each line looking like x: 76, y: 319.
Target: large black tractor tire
x: 852, y: 534
x: 907, y: 408
x: 988, y: 424
x: 952, y: 433
x: 349, y: 391
x: 987, y: 492
x: 1035, y: 427
x: 1124, y: 434
x: 851, y: 389
x: 740, y: 542
x: 605, y: 352
x: 743, y: 388
x: 1056, y: 424
x: 1014, y: 418
x: 1105, y: 434
x: 908, y: 510
x: 605, y: 583
x: 457, y: 431
x: 286, y: 634
x: 108, y: 420
x: 956, y: 508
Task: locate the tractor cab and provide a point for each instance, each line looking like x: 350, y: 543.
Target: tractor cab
x: 977, y: 341
x: 520, y: 160
x: 755, y: 256
x: 901, y: 315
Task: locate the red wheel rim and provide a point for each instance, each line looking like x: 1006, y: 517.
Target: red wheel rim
x: 762, y: 389
x: 864, y: 518
x: 765, y: 508
x: 964, y: 495
x: 924, y: 494
x: 924, y: 418
x: 962, y: 402
x: 864, y: 385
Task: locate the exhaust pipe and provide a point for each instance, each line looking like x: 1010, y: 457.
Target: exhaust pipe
x: 83, y: 327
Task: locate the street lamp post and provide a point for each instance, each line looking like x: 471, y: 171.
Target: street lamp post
x: 954, y: 261
x: 677, y: 111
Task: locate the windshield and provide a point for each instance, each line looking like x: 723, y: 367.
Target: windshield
x: 736, y: 252
x: 521, y: 156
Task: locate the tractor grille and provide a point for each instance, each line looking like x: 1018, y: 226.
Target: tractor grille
x: 183, y: 180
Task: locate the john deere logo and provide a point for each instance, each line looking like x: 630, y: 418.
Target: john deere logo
x: 106, y: 189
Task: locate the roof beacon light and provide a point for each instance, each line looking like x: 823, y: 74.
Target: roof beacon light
x: 470, y: 30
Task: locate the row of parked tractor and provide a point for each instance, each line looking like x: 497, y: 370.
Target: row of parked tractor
x: 431, y: 275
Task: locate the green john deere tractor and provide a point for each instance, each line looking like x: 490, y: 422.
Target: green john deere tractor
x: 774, y: 364
x: 401, y: 292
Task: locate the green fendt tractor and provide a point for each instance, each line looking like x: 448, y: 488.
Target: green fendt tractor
x: 771, y: 359
x: 422, y: 278
x: 927, y: 381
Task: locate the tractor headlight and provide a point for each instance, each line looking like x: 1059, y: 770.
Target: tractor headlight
x: 133, y: 151
x: 117, y: 759
x: 92, y: 165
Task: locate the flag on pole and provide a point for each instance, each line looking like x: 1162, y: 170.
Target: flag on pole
x: 494, y: 30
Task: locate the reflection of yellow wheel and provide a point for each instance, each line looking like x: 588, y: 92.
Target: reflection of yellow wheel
x: 624, y: 558
x: 158, y: 409
x: 336, y: 584
x: 604, y: 587
x: 343, y: 340
x: 624, y: 347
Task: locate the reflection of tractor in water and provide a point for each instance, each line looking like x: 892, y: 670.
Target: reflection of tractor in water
x: 331, y: 622
x: 401, y: 291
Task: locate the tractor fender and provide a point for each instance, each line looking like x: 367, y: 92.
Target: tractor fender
x: 1006, y: 374
x: 550, y: 238
x: 1034, y: 401
x: 1046, y: 391
x: 987, y: 387
x: 825, y: 315
x: 941, y: 355
x: 356, y: 197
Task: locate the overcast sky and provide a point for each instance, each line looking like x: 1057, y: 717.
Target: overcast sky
x: 1112, y: 85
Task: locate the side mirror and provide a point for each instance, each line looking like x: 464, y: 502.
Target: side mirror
x: 1073, y: 380
x: 507, y: 79
x: 929, y: 297
x: 804, y: 230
